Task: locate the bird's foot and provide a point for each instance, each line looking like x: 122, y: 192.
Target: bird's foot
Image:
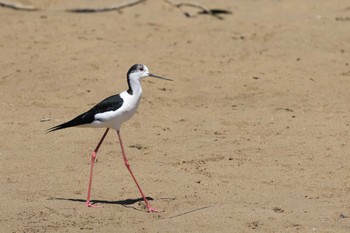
x: 89, y: 204
x: 153, y: 210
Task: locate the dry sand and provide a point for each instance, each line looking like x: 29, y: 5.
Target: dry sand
x: 252, y: 136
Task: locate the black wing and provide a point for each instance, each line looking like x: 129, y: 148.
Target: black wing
x: 111, y: 103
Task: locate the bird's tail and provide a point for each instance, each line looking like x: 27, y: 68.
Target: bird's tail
x: 58, y: 127
x: 79, y: 120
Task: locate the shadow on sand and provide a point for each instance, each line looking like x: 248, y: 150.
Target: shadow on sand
x: 124, y: 203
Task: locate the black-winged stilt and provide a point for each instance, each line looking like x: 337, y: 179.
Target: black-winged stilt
x: 110, y: 113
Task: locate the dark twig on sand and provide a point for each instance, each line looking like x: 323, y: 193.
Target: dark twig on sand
x: 213, y: 12
x: 17, y: 6
x: 20, y: 6
x: 104, y: 9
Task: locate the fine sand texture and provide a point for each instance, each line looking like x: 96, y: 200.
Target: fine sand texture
x: 253, y: 134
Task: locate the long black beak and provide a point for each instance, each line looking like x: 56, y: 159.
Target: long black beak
x: 155, y: 76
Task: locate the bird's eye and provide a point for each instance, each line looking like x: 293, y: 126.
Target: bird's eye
x: 141, y: 69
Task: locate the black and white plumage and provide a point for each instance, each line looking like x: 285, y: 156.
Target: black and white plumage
x: 114, y: 110
x: 111, y: 103
x: 110, y: 113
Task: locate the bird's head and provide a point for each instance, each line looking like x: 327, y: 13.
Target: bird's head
x: 139, y: 71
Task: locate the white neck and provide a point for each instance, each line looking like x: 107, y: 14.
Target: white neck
x: 134, y: 85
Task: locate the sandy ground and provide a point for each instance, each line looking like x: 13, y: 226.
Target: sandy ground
x: 252, y: 136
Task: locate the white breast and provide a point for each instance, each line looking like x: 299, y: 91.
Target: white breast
x: 114, y: 119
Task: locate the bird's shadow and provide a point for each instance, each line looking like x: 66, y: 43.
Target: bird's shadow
x: 126, y: 203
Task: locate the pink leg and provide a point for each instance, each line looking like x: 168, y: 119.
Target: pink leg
x: 93, y: 158
x: 150, y: 209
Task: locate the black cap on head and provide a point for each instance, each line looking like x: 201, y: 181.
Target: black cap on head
x: 135, y: 68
